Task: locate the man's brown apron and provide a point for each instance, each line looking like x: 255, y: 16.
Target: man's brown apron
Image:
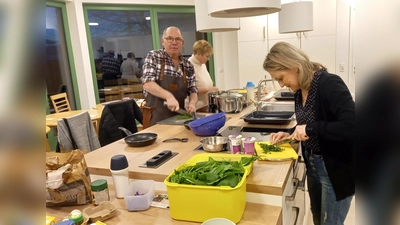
x: 176, y: 85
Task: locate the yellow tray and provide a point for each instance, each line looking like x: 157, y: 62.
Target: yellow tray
x: 288, y: 152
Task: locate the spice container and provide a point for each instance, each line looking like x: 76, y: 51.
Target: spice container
x: 76, y: 216
x: 100, y: 191
x: 248, y: 145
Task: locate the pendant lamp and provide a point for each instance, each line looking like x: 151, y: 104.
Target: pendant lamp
x: 206, y: 23
x: 242, y: 8
x: 296, y: 17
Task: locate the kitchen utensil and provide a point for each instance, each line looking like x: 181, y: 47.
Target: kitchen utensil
x: 263, y: 117
x: 209, y: 125
x: 288, y: 153
x: 180, y: 111
x: 231, y: 102
x: 284, y: 95
x: 186, y: 124
x: 214, y: 143
x: 177, y: 139
x: 139, y: 139
x: 287, y: 140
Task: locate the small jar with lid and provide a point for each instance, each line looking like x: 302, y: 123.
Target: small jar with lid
x: 76, y: 216
x: 100, y: 191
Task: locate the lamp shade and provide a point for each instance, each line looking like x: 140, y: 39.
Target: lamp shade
x: 296, y: 17
x: 206, y: 23
x: 242, y: 8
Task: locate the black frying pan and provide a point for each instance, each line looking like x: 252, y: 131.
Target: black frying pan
x: 186, y: 123
x: 138, y: 139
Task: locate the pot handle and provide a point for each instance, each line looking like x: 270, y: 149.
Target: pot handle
x: 126, y: 131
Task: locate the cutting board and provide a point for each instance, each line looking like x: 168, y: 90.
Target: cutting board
x: 286, y: 154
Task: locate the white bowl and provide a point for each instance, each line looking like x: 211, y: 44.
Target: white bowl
x: 218, y: 221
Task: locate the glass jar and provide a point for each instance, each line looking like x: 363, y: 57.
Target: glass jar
x: 100, y: 191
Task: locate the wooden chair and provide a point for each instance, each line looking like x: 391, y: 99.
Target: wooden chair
x: 60, y: 102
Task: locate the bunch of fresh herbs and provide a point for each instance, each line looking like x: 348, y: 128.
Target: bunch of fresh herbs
x: 213, y: 172
x: 270, y: 148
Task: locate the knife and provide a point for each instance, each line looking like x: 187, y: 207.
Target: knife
x: 287, y: 140
x: 180, y: 111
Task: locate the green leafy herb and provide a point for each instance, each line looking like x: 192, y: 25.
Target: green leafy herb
x: 184, y: 117
x: 245, y: 161
x: 270, y: 148
x: 211, y: 173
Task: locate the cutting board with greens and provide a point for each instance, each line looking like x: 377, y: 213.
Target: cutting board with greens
x: 267, y: 151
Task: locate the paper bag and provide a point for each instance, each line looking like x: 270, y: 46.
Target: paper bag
x: 67, y: 179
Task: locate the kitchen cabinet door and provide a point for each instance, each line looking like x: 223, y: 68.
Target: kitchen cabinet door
x: 253, y: 29
x: 251, y: 58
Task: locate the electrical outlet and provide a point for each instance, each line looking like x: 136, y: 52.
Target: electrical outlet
x: 341, y: 67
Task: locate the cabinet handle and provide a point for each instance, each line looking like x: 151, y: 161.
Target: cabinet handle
x: 264, y: 32
x: 297, y: 210
x: 293, y: 195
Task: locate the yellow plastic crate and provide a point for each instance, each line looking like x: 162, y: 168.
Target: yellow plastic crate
x: 199, y: 203
x: 219, y: 157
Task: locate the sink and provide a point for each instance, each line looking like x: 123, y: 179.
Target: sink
x: 276, y: 106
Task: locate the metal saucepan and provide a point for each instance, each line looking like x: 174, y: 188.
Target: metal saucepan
x: 231, y: 103
x: 138, y: 139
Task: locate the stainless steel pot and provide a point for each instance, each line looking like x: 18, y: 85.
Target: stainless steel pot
x: 231, y: 102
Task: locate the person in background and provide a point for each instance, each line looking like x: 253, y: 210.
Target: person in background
x: 325, y: 114
x: 110, y: 66
x: 168, y: 76
x: 202, y: 51
x: 129, y: 68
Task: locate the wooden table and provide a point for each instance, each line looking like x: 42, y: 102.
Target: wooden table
x: 254, y: 214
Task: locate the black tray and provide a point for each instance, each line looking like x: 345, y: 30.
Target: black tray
x: 284, y: 95
x: 262, y: 117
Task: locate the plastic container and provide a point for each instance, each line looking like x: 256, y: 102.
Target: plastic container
x: 77, y: 216
x: 200, y: 203
x: 100, y: 191
x: 120, y: 170
x: 248, y: 145
x: 250, y: 91
x: 235, y: 143
x: 218, y: 156
x: 208, y: 125
x: 139, y: 195
x: 218, y: 221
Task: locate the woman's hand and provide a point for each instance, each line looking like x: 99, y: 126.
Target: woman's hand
x: 276, y: 137
x: 300, y: 133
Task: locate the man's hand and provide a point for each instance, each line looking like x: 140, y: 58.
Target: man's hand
x: 190, y: 108
x: 172, y: 104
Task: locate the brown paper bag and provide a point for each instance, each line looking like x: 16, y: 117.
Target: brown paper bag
x: 67, y: 179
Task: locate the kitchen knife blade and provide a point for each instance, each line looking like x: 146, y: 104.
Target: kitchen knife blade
x: 180, y: 111
x: 284, y: 141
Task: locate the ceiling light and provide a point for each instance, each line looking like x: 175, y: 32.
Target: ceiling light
x: 147, y: 17
x: 206, y: 23
x: 242, y: 8
x: 93, y: 24
x: 296, y: 17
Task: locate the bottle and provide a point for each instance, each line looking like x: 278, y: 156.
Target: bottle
x: 119, y: 169
x: 100, y: 191
x: 250, y: 91
x: 76, y: 216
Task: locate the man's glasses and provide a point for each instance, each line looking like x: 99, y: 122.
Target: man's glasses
x: 171, y: 39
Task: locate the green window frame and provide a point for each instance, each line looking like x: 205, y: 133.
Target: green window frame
x: 154, y: 10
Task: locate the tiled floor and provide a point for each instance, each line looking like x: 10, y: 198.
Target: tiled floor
x: 350, y: 219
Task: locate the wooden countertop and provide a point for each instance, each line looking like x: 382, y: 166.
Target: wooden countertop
x: 267, y: 177
x: 254, y: 214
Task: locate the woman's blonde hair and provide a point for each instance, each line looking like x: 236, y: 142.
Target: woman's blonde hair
x: 202, y: 47
x: 284, y: 56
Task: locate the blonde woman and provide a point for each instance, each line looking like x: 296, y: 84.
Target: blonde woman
x: 202, y: 51
x: 325, y: 114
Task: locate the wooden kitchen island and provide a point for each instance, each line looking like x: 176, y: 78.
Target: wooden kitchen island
x: 268, y: 183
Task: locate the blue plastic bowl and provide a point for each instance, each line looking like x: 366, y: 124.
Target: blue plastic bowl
x: 209, y: 125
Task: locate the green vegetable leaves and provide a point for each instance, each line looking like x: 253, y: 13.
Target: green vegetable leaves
x: 184, y: 117
x: 213, y: 173
x: 270, y: 148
